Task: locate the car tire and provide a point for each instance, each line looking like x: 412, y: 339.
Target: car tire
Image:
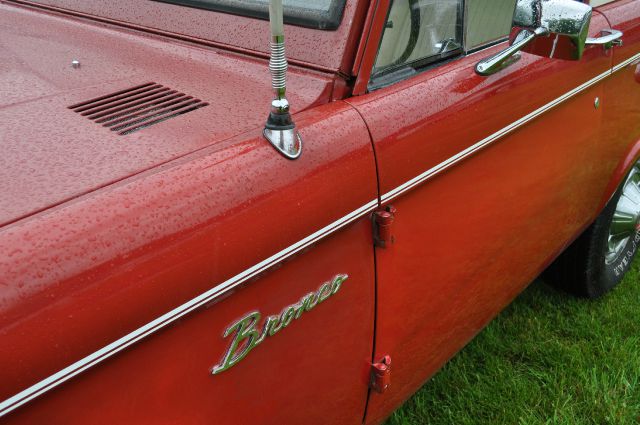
x: 598, y: 260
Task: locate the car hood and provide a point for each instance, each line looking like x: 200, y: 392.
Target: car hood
x: 51, y: 154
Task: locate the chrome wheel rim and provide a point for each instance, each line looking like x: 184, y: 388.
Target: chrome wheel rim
x: 626, y: 219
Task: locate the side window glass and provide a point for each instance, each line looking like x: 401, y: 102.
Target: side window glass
x: 420, y: 33
x: 487, y: 21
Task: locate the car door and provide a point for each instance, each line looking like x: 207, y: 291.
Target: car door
x: 489, y: 177
x: 621, y: 124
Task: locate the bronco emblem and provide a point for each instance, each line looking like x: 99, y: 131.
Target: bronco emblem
x: 247, y: 336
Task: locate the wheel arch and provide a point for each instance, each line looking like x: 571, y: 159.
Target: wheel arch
x: 626, y: 162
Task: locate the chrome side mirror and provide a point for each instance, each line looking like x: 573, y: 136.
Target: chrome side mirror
x: 549, y: 28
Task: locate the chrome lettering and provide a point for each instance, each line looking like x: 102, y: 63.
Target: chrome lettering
x: 246, y: 336
x: 245, y: 330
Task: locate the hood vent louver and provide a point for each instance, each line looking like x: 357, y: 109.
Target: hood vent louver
x: 136, y: 108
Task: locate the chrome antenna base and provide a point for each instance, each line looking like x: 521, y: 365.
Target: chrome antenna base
x: 281, y: 132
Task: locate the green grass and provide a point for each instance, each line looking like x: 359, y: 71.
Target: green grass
x: 547, y: 359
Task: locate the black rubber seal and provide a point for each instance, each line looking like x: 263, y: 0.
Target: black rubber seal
x: 280, y: 122
x: 310, y: 18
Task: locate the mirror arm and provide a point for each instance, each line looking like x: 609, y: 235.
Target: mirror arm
x: 495, y: 63
x: 613, y: 38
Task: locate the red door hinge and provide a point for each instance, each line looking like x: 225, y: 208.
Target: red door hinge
x: 382, y: 223
x: 381, y: 375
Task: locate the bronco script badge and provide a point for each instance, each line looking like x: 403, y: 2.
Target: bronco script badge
x: 247, y: 337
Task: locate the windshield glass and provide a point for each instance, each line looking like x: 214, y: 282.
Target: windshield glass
x: 320, y: 14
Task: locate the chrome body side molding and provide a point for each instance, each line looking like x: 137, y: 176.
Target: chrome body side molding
x: 115, y: 347
x: 104, y: 353
x: 392, y: 194
x: 633, y: 60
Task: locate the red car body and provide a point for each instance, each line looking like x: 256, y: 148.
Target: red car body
x: 123, y: 259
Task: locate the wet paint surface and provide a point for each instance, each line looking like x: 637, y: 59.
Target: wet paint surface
x: 81, y: 276
x: 202, y: 197
x: 48, y: 160
x: 471, y: 236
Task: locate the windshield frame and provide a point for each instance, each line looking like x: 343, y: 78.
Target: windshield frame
x: 324, y: 51
x: 327, y: 20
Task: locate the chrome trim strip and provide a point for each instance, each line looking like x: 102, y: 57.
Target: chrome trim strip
x: 627, y: 62
x: 487, y: 141
x: 81, y: 365
x: 170, y: 317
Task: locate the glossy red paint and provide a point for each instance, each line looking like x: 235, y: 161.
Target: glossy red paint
x: 477, y: 231
x: 130, y: 228
x: 366, y: 30
x: 369, y: 45
x: 383, y: 220
x: 105, y: 234
x: 78, y: 155
x: 381, y: 375
x: 622, y: 95
x: 181, y: 230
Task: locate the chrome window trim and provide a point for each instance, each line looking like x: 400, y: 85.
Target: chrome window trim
x: 104, y: 353
x: 402, y: 76
x: 429, y: 62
